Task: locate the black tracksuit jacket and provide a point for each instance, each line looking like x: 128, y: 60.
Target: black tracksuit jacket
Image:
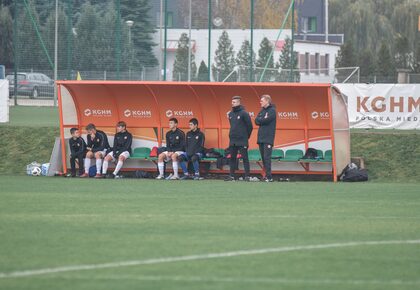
x: 175, y: 140
x: 266, y: 119
x: 194, y: 143
x: 122, y: 142
x: 240, y: 127
x: 99, y: 143
x: 77, y: 146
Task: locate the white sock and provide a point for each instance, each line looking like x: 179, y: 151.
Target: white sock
x: 175, y: 167
x: 105, y: 167
x: 118, y: 167
x: 87, y: 165
x: 160, y: 166
x: 98, y: 165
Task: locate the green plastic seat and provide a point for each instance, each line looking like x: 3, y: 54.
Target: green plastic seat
x: 254, y: 155
x: 141, y: 153
x: 277, y: 154
x: 328, y: 156
x: 292, y: 155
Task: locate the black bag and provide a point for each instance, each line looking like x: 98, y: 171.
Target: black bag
x: 311, y: 153
x: 211, y: 153
x: 142, y: 174
x: 351, y: 173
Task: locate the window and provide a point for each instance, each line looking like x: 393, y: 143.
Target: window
x: 312, y: 24
x: 327, y: 64
x: 317, y: 63
x: 169, y: 19
x: 307, y: 63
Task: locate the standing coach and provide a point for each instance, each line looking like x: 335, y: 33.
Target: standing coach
x: 239, y: 133
x: 266, y: 120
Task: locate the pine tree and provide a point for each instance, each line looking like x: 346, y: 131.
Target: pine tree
x: 285, y: 63
x: 180, y: 71
x: 367, y: 64
x: 142, y: 30
x: 345, y: 58
x: 386, y: 66
x: 224, y: 59
x: 203, y: 72
x: 263, y: 57
x: 243, y: 60
x: 6, y: 37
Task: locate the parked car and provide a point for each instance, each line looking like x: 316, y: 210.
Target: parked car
x: 33, y: 85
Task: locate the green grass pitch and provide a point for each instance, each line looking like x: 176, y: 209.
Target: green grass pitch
x: 51, y: 223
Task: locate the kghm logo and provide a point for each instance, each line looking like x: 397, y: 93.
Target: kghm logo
x: 179, y: 114
x: 137, y: 114
x: 380, y: 104
x: 288, y: 115
x: 97, y: 113
x: 321, y: 115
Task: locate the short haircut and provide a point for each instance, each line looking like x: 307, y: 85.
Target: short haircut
x: 194, y: 121
x: 236, y: 98
x: 267, y: 98
x: 121, y: 124
x: 90, y: 127
x: 173, y: 120
x: 74, y: 129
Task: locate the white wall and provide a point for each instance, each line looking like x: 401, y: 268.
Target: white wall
x: 4, y: 101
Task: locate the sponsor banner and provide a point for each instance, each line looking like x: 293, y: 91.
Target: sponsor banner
x: 383, y: 106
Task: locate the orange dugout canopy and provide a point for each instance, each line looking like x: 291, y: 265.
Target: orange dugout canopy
x: 308, y: 115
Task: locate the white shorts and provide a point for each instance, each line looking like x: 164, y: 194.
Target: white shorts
x: 102, y: 152
x: 126, y: 154
x: 169, y: 159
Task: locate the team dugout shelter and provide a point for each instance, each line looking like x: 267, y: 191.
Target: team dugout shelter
x: 308, y: 116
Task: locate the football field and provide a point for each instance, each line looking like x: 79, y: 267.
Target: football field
x: 62, y: 233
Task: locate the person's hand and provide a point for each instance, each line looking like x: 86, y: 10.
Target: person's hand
x: 170, y: 154
x: 89, y: 149
x: 266, y: 116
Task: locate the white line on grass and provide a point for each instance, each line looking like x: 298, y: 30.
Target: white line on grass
x: 259, y: 280
x: 26, y: 273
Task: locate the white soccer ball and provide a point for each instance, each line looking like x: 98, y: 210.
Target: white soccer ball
x: 36, y: 171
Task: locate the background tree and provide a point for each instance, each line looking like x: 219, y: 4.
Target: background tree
x: 345, y: 58
x: 286, y: 64
x: 263, y: 56
x: 180, y: 71
x: 385, y: 67
x: 224, y: 61
x: 367, y: 64
x: 142, y: 30
x: 243, y: 60
x: 203, y: 73
x: 6, y: 37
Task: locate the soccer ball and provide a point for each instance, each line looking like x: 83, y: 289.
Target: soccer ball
x: 36, y: 171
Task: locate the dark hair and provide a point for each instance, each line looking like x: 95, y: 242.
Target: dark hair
x: 194, y: 121
x: 121, y: 124
x: 90, y: 127
x: 173, y: 120
x: 236, y: 98
x: 74, y: 129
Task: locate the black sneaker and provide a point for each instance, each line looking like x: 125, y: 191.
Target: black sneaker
x: 110, y: 176
x: 247, y: 178
x: 230, y: 178
x: 268, y: 180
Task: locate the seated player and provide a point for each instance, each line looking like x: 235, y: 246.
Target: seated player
x: 97, y: 147
x: 175, y: 144
x: 77, y: 151
x: 194, y: 150
x: 120, y: 151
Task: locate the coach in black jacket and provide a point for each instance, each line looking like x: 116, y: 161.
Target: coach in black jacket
x: 240, y: 131
x: 266, y: 120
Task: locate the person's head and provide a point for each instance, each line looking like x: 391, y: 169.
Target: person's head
x: 173, y: 123
x: 193, y: 124
x: 75, y: 133
x: 236, y: 101
x: 121, y: 126
x: 91, y: 129
x: 265, y: 101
